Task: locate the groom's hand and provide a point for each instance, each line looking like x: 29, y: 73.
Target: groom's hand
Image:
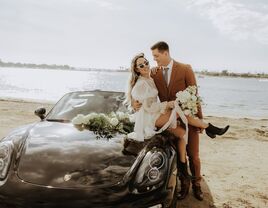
x: 171, y: 104
x: 155, y: 69
x: 136, y: 105
x: 200, y: 130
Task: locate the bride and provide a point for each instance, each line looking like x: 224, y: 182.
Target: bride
x: 154, y: 114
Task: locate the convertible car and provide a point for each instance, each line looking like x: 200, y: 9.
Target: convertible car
x: 52, y: 163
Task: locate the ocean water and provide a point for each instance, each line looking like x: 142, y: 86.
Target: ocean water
x: 232, y: 97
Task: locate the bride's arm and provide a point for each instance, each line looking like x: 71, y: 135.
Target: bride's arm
x: 135, y: 104
x: 156, y: 106
x: 143, y: 92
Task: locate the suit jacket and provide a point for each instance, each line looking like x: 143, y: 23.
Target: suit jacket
x: 182, y: 76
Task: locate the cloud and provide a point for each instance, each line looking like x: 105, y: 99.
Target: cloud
x: 234, y: 19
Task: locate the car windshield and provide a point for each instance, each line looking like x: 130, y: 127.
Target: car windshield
x: 84, y: 103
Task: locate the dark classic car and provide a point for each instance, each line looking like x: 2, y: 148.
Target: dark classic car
x: 52, y: 163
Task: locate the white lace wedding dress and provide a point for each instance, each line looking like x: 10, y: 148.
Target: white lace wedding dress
x: 145, y: 92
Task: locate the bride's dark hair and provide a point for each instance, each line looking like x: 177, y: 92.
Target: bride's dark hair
x: 133, y: 79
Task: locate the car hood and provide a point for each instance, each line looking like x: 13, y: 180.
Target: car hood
x: 60, y: 155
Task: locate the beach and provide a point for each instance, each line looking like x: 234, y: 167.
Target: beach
x: 234, y: 166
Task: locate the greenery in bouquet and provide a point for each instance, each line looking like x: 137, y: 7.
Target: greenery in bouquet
x: 106, y: 125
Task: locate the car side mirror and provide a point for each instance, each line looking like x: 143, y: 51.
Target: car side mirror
x: 40, y: 112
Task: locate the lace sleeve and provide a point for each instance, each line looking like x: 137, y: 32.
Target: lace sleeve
x: 144, y: 94
x: 155, y: 107
x: 140, y: 91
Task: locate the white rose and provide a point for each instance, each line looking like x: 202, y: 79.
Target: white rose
x: 87, y: 118
x: 78, y: 120
x: 178, y: 94
x: 192, y: 104
x: 192, y: 89
x: 132, y: 135
x: 104, y: 116
x: 182, y: 100
x: 187, y: 95
x: 114, y: 121
x: 181, y: 97
x: 187, y: 112
x: 121, y: 115
x: 113, y: 114
x: 132, y: 117
x: 183, y: 106
x: 194, y: 98
x: 189, y: 105
x: 93, y: 115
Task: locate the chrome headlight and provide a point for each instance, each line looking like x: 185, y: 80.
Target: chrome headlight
x: 152, y: 171
x: 6, y: 149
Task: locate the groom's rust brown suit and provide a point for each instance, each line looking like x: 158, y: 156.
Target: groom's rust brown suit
x: 177, y: 77
x: 182, y: 76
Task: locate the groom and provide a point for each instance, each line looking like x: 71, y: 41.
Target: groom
x: 171, y: 77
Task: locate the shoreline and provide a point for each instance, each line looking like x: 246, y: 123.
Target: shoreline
x: 263, y: 76
x: 50, y: 102
x: 27, y: 100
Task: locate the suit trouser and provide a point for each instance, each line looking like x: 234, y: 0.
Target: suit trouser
x: 193, y: 154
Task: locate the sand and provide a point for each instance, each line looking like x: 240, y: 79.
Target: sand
x: 234, y: 166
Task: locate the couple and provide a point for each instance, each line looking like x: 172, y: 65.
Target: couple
x: 163, y: 82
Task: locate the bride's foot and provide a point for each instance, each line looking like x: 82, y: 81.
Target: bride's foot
x: 212, y: 131
x: 212, y: 136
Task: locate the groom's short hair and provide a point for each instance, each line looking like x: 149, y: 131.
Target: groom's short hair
x: 161, y: 46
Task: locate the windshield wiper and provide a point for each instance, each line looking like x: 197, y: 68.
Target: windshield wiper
x: 58, y: 120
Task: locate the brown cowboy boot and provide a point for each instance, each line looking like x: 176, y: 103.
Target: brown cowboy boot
x: 196, y: 180
x: 185, y: 180
x: 198, y: 194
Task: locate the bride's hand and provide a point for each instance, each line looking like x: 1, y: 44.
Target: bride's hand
x: 171, y: 104
x: 136, y: 105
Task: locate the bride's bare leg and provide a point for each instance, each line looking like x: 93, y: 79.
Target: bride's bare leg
x: 178, y: 132
x: 162, y: 119
x: 181, y: 145
x: 196, y: 122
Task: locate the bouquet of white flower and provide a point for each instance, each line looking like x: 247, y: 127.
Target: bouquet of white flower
x: 105, y: 125
x: 189, y: 101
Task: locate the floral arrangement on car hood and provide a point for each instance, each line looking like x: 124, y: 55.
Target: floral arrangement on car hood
x: 106, y: 125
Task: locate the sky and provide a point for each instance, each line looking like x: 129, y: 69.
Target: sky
x: 210, y: 35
